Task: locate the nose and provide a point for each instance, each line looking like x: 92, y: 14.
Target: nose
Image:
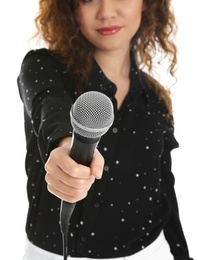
x: 106, y: 9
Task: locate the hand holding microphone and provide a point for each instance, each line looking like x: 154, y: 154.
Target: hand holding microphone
x: 67, y: 179
x: 73, y: 167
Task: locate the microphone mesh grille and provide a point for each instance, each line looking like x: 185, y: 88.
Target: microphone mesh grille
x: 92, y: 114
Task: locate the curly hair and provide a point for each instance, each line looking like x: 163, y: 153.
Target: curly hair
x: 56, y: 22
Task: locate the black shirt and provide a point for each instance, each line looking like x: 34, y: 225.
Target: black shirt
x: 135, y: 199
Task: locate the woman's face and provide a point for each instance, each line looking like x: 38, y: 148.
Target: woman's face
x: 109, y: 24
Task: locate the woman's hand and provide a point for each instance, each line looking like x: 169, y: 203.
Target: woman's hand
x: 67, y: 179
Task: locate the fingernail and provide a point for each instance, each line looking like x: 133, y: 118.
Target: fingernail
x: 98, y: 173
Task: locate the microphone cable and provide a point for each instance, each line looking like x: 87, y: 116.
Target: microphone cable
x: 82, y: 153
x: 66, y: 211
x: 65, y: 245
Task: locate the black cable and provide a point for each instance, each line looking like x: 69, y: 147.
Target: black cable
x: 66, y: 211
x: 65, y: 245
x: 82, y: 153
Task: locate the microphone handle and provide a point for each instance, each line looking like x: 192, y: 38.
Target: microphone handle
x: 82, y: 151
x: 83, y: 148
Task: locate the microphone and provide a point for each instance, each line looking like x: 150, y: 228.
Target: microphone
x: 91, y: 117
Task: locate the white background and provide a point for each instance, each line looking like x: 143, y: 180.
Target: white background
x: 16, y: 24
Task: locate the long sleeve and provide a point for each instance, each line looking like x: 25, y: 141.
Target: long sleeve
x: 46, y: 98
x: 173, y: 229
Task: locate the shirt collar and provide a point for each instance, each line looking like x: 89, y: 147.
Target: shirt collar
x: 98, y: 81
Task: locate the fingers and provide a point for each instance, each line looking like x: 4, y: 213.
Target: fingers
x: 60, y: 159
x: 72, y: 191
x: 69, y: 180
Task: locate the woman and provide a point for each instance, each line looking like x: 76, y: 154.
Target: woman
x: 126, y: 207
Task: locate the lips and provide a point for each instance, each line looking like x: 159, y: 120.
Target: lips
x: 109, y: 30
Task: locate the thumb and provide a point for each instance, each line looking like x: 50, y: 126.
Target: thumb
x: 97, y: 165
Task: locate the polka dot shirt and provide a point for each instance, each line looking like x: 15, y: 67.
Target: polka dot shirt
x: 135, y: 199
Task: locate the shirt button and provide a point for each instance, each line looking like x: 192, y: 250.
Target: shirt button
x: 96, y: 205
x: 106, y: 168
x: 83, y: 239
x: 115, y: 130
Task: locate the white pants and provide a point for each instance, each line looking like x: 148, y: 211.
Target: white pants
x: 158, y: 250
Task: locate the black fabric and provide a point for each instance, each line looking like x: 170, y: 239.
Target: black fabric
x: 124, y: 211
